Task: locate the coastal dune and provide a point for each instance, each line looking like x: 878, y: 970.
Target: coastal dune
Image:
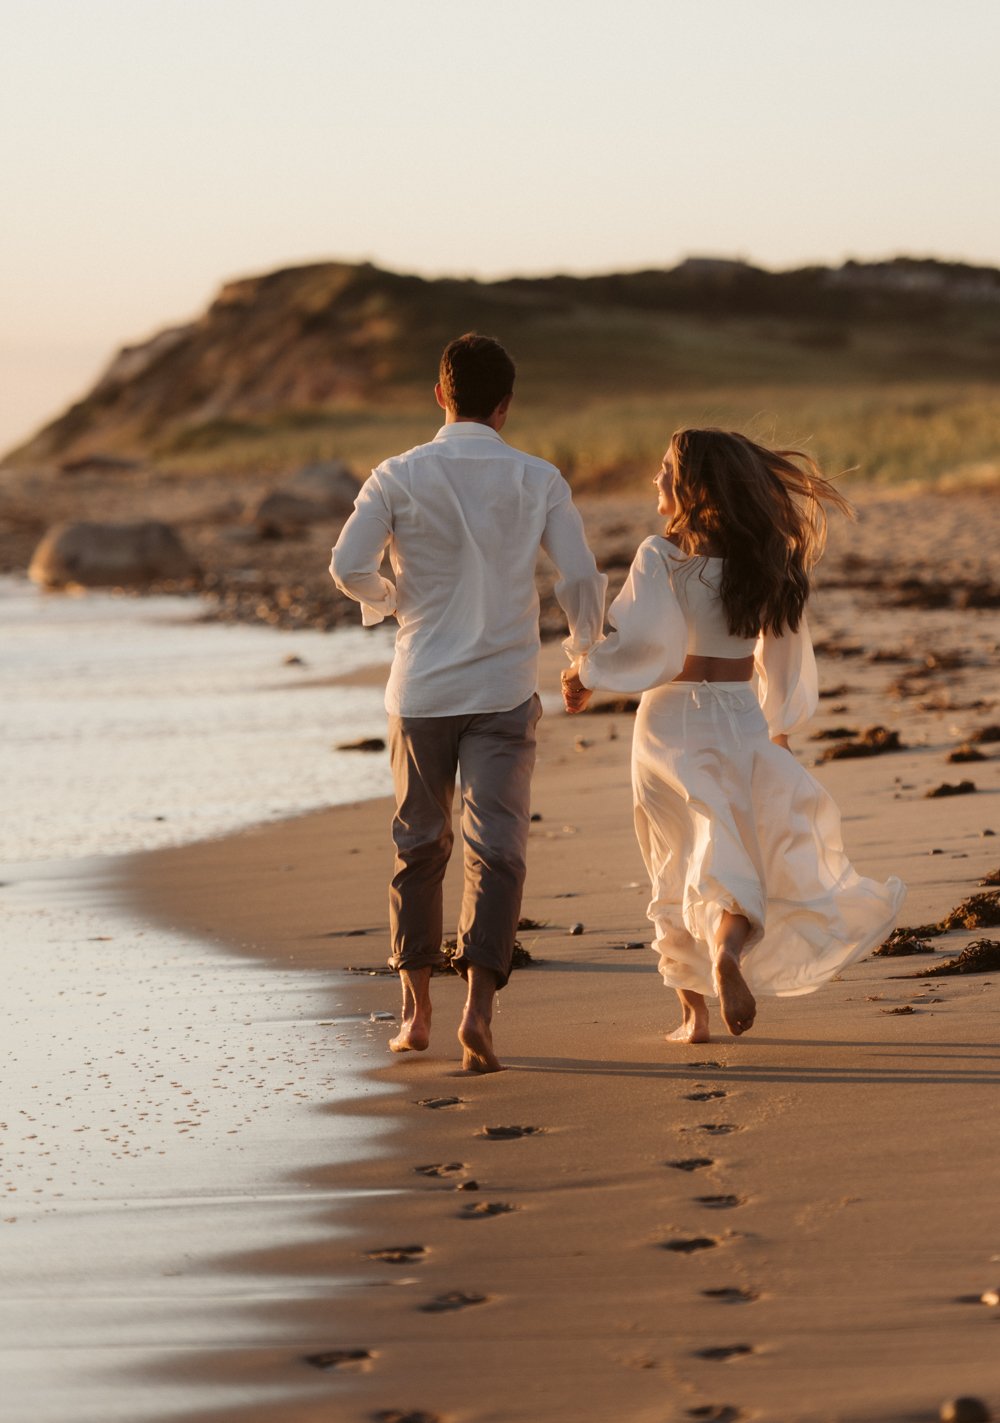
x: 795, y: 1225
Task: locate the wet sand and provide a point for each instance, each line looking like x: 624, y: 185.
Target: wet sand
x: 794, y: 1225
x: 783, y: 1224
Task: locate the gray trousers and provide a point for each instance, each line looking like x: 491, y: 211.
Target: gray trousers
x: 494, y: 753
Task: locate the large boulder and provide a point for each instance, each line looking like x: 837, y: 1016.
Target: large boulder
x: 315, y: 493
x: 331, y: 485
x: 280, y: 512
x: 110, y: 556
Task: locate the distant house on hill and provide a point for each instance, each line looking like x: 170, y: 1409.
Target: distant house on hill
x: 712, y: 266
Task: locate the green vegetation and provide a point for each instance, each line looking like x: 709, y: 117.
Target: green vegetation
x: 940, y: 435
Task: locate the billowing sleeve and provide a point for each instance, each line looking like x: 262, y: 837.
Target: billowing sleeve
x: 358, y: 553
x: 580, y: 590
x: 649, y: 639
x: 787, y: 682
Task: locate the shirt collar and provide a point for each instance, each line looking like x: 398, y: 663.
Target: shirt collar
x: 463, y: 429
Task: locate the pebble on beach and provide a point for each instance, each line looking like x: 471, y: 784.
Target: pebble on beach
x: 965, y: 1410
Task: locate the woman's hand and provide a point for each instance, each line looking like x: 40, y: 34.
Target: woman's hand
x: 781, y: 740
x: 575, y: 694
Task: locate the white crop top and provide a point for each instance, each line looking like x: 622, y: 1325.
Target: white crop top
x: 696, y: 585
x: 666, y: 610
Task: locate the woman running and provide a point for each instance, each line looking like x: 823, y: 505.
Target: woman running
x: 752, y: 892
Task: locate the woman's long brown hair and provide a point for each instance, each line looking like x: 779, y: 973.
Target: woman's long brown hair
x: 764, y: 512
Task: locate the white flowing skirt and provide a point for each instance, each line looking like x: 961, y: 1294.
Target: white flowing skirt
x: 726, y: 820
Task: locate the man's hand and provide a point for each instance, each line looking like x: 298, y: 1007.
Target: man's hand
x: 575, y: 694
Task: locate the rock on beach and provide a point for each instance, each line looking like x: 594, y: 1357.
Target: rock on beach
x: 95, y: 555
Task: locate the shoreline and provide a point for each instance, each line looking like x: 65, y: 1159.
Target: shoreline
x: 846, y: 1198
x: 283, y: 583
x: 822, y: 1209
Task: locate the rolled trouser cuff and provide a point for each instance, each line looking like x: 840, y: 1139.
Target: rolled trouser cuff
x: 469, y: 955
x: 419, y: 958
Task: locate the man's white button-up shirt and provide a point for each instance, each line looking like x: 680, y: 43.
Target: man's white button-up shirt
x: 464, y: 517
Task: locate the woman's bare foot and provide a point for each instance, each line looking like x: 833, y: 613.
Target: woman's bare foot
x: 738, y: 1005
x: 690, y: 1031
x: 694, y: 1023
x: 415, y: 1033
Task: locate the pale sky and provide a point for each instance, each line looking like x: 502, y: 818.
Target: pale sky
x: 152, y: 149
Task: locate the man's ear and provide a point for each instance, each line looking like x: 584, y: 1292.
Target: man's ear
x: 501, y: 411
x: 439, y: 396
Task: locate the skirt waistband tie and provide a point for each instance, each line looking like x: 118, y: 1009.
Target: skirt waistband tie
x: 728, y: 702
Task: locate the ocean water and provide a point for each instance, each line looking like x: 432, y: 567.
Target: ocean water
x: 128, y: 724
x: 163, y: 1100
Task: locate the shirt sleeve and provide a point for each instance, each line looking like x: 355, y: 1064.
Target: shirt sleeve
x: 580, y: 590
x: 787, y: 681
x: 358, y: 554
x: 649, y: 639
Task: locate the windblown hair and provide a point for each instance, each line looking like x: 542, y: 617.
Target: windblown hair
x: 476, y: 373
x: 764, y: 512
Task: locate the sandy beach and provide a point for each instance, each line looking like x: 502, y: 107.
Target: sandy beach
x: 301, y: 294
x: 797, y: 1225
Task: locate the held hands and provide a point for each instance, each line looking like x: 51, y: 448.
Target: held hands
x: 575, y: 695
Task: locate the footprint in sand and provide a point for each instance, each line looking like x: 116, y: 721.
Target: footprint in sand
x: 690, y: 1245
x: 397, y: 1254
x: 508, y: 1133
x: 340, y: 1359
x: 706, y: 1096
x: 440, y: 1168
x: 691, y: 1163
x: 482, y: 1210
x: 732, y: 1294
x: 436, y: 1103
x: 403, y: 1415
x: 724, y: 1351
x: 454, y: 1299
x: 720, y: 1203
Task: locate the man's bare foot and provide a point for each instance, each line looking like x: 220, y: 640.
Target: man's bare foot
x: 477, y: 1044
x: 415, y: 1033
x: 413, y: 1036
x: 738, y: 1005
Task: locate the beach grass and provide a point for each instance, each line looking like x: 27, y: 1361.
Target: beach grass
x: 929, y: 434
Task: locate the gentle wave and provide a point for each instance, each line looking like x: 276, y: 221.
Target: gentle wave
x: 127, y: 724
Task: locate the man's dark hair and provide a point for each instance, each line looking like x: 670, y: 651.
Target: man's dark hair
x: 476, y: 374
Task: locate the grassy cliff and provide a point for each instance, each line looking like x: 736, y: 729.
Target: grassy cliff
x: 891, y: 369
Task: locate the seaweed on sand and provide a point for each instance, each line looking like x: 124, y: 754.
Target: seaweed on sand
x: 876, y: 741
x: 982, y: 956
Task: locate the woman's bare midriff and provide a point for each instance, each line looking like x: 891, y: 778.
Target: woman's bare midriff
x: 715, y: 669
